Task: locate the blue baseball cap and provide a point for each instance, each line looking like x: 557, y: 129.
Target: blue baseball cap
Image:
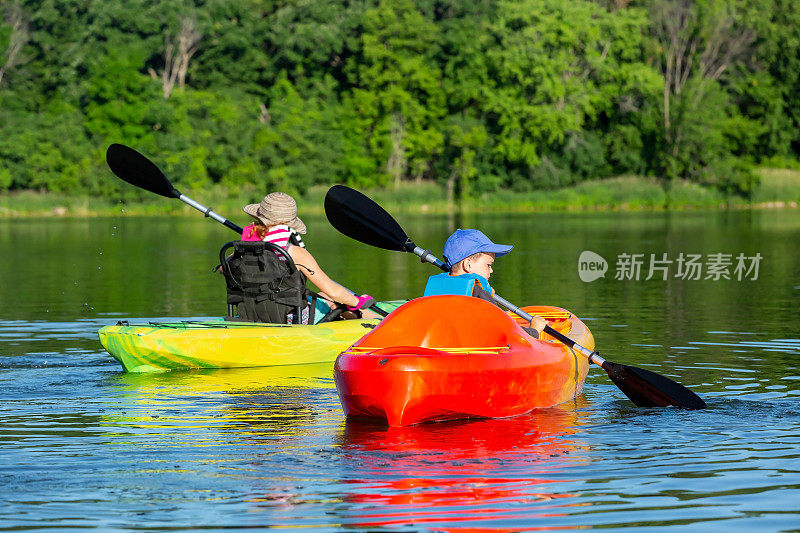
x: 465, y: 242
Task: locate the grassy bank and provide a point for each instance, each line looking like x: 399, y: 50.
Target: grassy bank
x: 777, y: 188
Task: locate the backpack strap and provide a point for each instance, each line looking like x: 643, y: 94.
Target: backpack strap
x: 233, y: 289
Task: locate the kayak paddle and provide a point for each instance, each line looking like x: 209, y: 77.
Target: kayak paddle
x: 360, y: 218
x: 132, y: 167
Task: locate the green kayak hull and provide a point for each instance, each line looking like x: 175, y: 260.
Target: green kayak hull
x: 156, y: 347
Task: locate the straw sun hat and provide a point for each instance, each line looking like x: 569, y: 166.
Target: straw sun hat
x: 276, y: 208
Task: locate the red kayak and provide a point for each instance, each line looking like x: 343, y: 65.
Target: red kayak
x: 452, y: 357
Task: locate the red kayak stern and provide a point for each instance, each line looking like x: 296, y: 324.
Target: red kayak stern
x: 451, y: 357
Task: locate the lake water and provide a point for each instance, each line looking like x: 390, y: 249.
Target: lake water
x: 84, y: 445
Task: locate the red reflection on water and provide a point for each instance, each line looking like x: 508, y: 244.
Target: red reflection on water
x: 457, y: 474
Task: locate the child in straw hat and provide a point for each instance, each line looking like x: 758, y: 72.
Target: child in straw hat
x: 276, y: 221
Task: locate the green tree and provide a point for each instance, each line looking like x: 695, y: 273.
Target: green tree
x: 482, y: 95
x: 699, y: 43
x: 768, y: 93
x: 552, y: 70
x: 398, y: 87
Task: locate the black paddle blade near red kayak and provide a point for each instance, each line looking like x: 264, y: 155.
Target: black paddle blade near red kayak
x: 648, y: 389
x: 361, y: 219
x: 642, y: 387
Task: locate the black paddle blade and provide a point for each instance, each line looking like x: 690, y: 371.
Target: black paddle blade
x: 134, y: 168
x: 358, y: 217
x: 648, y: 389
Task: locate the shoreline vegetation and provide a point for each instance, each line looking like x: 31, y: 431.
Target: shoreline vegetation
x: 502, y: 105
x: 777, y: 188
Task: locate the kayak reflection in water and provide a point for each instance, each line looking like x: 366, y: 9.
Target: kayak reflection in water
x: 276, y: 221
x: 470, y: 255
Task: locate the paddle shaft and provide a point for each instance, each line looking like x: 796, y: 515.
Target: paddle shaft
x: 592, y: 356
x: 427, y: 257
x: 208, y: 212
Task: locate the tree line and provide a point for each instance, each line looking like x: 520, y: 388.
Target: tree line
x: 478, y: 96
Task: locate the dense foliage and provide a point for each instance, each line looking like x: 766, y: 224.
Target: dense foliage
x: 477, y: 95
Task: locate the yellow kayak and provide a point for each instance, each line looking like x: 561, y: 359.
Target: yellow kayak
x: 220, y: 344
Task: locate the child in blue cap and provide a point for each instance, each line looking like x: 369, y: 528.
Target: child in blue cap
x: 469, y: 255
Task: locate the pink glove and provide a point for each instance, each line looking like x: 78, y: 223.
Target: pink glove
x: 364, y: 301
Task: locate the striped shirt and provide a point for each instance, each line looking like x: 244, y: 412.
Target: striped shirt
x: 279, y: 235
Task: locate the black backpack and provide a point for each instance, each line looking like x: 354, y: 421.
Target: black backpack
x: 261, y: 287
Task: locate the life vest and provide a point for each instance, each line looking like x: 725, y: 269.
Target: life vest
x: 467, y: 285
x: 464, y: 284
x: 263, y: 283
